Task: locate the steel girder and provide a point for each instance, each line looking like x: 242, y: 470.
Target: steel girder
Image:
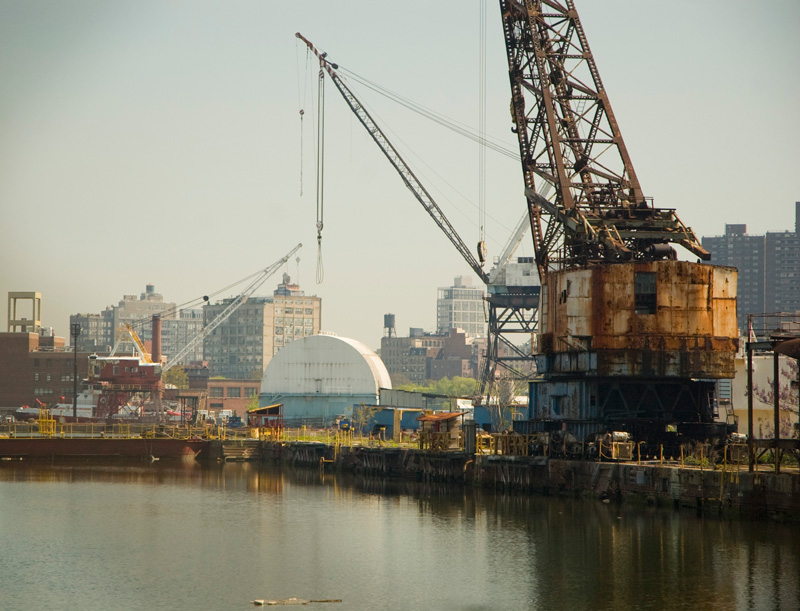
x: 569, y: 137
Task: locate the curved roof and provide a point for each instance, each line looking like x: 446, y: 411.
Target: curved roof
x: 325, y: 364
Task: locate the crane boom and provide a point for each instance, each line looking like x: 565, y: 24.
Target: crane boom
x: 137, y: 343
x: 568, y: 136
x: 397, y: 161
x: 232, y: 306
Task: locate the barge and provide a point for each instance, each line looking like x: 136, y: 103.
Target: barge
x: 98, y: 447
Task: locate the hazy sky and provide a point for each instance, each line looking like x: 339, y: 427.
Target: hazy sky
x: 160, y: 142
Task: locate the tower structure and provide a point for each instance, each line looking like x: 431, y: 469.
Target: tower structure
x: 16, y: 322
x: 629, y: 337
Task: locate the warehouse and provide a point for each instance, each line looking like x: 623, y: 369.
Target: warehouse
x: 321, y: 377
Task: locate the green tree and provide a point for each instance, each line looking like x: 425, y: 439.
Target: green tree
x: 252, y: 403
x: 456, y: 387
x: 177, y: 377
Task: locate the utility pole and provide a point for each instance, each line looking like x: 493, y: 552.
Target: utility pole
x: 75, y: 331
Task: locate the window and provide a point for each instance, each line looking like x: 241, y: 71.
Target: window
x: 215, y: 391
x: 234, y: 391
x: 36, y: 377
x: 309, y: 311
x: 250, y: 392
x: 644, y: 292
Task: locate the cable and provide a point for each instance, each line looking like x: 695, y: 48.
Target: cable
x: 493, y: 144
x: 320, y: 171
x: 482, y: 129
x: 302, y: 103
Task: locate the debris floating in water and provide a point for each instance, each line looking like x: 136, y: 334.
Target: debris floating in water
x: 294, y: 601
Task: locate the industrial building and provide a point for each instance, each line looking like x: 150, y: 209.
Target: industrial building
x: 425, y: 356
x: 321, y: 377
x: 769, y: 268
x: 34, y: 363
x: 243, y: 345
x: 35, y: 366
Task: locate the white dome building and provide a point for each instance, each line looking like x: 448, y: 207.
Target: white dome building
x: 322, y: 377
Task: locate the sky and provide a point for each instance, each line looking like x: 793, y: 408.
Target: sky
x: 154, y: 142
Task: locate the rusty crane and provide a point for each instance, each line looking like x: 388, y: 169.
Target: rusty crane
x: 630, y: 338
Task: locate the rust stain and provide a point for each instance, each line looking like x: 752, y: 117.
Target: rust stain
x: 691, y: 332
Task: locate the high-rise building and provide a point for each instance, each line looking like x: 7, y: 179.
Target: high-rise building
x: 242, y: 346
x: 783, y: 268
x: 177, y: 333
x: 97, y: 331
x: 461, y: 307
x: 747, y: 254
x: 769, y: 268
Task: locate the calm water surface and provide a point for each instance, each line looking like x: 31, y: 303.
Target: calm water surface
x: 217, y: 537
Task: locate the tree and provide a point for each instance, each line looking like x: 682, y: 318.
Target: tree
x: 456, y: 387
x: 176, y: 377
x: 255, y: 374
x: 252, y: 403
x: 362, y: 416
x: 787, y: 397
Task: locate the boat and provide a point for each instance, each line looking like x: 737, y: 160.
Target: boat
x: 26, y: 413
x: 142, y: 448
x: 91, y: 407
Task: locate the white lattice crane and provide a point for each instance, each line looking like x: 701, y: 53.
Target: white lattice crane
x: 251, y: 288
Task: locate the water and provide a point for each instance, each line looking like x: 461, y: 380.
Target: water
x: 218, y: 537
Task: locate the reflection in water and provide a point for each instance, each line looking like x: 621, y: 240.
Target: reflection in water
x: 217, y: 536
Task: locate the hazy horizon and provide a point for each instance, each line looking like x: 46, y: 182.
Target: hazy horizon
x: 160, y: 143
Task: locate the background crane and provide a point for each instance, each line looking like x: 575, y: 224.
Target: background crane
x: 251, y: 288
x: 511, y: 308
x: 397, y: 161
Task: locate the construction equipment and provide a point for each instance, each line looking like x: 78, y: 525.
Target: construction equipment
x: 630, y: 338
x: 569, y: 137
x: 397, y: 161
x: 512, y: 306
x: 137, y: 343
x: 234, y: 305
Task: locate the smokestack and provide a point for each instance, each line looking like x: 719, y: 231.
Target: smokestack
x: 156, y: 338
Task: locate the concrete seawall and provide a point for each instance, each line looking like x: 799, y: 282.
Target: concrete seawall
x: 729, y: 492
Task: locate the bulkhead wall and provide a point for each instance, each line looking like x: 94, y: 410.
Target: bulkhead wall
x: 650, y: 319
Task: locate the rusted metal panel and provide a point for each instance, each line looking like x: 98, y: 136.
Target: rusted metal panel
x: 690, y: 332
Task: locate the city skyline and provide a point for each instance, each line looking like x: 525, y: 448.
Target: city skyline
x: 156, y: 143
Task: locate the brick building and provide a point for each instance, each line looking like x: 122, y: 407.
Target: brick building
x: 35, y: 366
x: 233, y: 395
x: 431, y: 356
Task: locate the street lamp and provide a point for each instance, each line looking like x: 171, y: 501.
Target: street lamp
x: 75, y: 331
